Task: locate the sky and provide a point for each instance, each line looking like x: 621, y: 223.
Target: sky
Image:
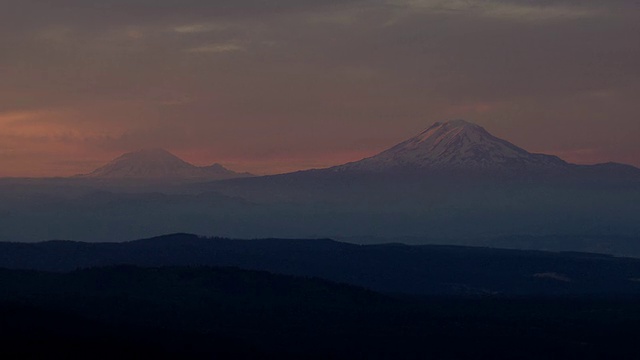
x: 282, y: 85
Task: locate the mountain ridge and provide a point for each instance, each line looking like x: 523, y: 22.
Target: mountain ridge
x: 389, y: 268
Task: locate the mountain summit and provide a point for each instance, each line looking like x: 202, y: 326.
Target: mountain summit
x: 455, y: 145
x: 159, y: 164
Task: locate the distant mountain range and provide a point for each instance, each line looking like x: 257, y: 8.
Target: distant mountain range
x: 452, y: 146
x: 159, y: 164
x: 453, y: 184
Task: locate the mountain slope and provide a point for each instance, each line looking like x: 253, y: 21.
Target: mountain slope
x: 159, y: 164
x: 454, y: 162
x: 455, y: 144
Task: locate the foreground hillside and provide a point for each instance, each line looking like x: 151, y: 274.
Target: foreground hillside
x: 231, y: 313
x: 390, y: 268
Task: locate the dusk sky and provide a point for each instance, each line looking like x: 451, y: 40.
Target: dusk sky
x: 282, y: 85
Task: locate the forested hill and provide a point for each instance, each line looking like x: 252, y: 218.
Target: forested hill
x: 391, y: 268
x: 205, y: 312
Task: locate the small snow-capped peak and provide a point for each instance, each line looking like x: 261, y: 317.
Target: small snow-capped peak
x: 157, y: 163
x: 455, y: 144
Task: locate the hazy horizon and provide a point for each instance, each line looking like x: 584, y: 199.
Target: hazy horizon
x: 233, y: 166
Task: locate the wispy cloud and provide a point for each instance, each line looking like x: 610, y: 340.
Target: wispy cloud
x: 500, y: 9
x: 217, y: 48
x: 199, y: 28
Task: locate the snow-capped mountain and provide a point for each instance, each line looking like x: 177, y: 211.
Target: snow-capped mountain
x: 159, y: 164
x: 455, y: 145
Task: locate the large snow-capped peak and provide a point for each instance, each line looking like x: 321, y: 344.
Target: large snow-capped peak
x: 455, y: 144
x: 159, y: 164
